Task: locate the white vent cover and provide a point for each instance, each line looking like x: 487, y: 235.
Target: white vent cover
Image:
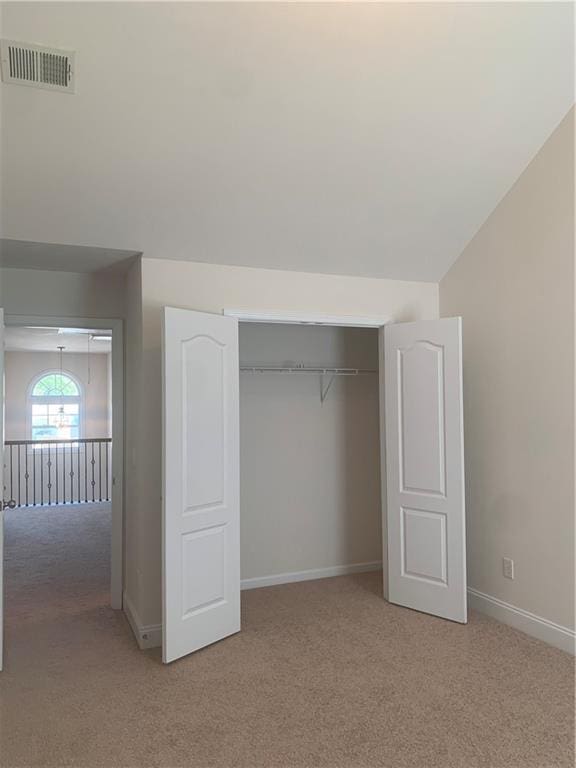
x: 38, y: 66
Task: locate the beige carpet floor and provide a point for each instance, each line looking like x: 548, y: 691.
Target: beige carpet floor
x: 323, y: 674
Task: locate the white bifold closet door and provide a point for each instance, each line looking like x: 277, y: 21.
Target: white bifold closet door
x: 425, y: 467
x: 2, y: 500
x: 201, y: 510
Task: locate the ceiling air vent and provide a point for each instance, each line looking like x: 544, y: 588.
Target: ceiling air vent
x: 38, y: 66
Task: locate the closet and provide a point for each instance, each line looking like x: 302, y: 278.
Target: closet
x: 310, y: 494
x: 297, y: 448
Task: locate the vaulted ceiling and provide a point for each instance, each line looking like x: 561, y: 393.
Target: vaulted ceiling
x: 354, y: 138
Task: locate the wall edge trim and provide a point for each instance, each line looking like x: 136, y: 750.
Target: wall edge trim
x: 309, y: 575
x: 147, y: 636
x: 529, y: 623
x: 150, y: 636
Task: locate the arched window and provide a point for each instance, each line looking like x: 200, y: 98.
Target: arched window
x: 55, y: 402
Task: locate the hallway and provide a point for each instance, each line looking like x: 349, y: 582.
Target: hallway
x: 57, y: 566
x: 59, y: 629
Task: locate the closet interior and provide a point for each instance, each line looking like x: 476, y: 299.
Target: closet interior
x: 309, y: 451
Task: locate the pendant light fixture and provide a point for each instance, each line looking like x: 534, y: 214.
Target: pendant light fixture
x: 62, y: 419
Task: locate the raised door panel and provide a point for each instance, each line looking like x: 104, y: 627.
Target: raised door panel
x: 204, y: 570
x: 421, y: 418
x: 424, y: 545
x: 204, y: 423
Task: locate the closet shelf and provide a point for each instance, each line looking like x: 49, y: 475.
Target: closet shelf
x: 305, y: 369
x: 321, y: 371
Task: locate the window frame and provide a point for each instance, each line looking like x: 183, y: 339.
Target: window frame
x: 54, y: 399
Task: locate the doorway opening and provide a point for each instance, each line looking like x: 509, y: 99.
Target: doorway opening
x: 63, y: 463
x: 310, y: 469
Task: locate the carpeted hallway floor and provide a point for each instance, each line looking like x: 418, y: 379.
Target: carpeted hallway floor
x: 323, y: 674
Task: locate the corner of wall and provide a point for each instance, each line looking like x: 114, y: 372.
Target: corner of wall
x: 514, y: 287
x: 133, y: 428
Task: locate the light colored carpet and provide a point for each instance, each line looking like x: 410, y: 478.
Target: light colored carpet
x: 323, y: 674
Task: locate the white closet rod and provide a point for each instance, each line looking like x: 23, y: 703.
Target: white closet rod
x: 324, y: 371
x: 305, y: 369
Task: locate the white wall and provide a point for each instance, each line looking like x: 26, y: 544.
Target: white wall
x: 62, y: 294
x: 514, y: 287
x: 91, y: 372
x: 309, y: 471
x: 49, y: 475
x: 212, y: 288
x: 136, y: 427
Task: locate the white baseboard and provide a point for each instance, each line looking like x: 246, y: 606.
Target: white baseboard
x: 315, y: 573
x: 146, y: 636
x: 150, y: 636
x: 542, y: 629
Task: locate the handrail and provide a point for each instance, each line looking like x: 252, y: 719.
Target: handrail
x: 69, y: 471
x: 72, y: 441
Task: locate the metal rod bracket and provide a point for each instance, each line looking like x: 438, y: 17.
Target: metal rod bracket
x: 325, y: 389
